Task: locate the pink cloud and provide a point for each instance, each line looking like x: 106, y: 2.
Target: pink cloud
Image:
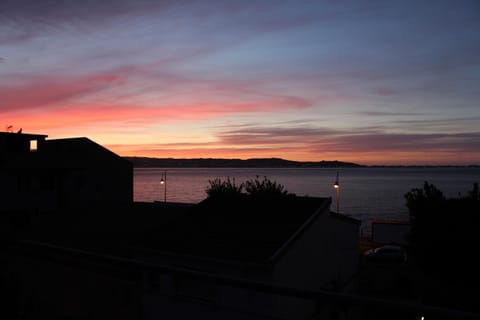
x: 54, y: 102
x: 50, y: 92
x: 77, y: 115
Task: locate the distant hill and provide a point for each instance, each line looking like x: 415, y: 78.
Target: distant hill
x: 144, y: 162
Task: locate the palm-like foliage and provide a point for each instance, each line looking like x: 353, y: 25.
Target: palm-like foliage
x: 253, y: 187
x: 265, y: 187
x: 226, y: 188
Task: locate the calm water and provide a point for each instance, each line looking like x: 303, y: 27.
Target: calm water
x: 366, y: 193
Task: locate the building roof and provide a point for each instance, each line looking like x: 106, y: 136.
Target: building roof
x: 78, y: 152
x: 241, y: 228
x: 25, y: 136
x: 55, y: 153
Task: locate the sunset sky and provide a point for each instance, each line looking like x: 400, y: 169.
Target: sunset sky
x: 372, y: 82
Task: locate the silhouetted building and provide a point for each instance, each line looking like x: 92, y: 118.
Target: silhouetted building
x: 47, y: 175
x: 87, y: 265
x: 288, y: 241
x: 174, y: 270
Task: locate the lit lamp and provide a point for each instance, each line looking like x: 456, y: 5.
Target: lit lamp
x: 163, y: 181
x: 336, y: 185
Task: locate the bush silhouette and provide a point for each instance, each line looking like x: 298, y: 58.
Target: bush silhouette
x: 265, y: 187
x: 225, y: 188
x: 254, y: 187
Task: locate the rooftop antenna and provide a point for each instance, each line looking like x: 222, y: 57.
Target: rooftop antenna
x: 19, y: 131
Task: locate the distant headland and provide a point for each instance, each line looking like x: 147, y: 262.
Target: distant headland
x: 145, y: 162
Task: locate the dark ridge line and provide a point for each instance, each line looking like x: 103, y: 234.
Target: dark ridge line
x: 146, y: 162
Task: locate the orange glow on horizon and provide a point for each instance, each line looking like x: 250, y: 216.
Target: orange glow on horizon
x: 393, y: 158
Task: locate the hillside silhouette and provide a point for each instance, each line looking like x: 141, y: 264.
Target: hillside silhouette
x: 145, y: 162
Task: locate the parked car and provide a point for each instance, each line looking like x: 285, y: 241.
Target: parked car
x: 387, y: 253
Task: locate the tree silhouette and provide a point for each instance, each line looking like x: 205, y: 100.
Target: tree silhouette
x: 421, y: 199
x: 443, y: 243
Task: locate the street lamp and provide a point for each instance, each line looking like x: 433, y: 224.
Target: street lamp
x: 163, y: 181
x: 336, y: 185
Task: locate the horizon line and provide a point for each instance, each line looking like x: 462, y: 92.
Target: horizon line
x: 308, y: 161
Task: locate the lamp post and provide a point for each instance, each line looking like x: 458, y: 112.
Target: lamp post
x: 336, y: 185
x: 163, y: 181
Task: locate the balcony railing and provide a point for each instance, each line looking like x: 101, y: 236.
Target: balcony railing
x: 329, y: 305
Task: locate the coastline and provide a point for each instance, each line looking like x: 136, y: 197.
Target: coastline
x: 147, y: 162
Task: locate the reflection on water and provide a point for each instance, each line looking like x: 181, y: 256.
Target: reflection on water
x: 366, y: 193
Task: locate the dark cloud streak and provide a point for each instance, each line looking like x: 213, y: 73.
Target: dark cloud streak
x: 30, y: 18
x: 360, y: 140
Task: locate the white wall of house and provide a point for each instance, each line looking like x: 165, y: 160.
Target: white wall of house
x: 345, y: 246
x: 325, y: 253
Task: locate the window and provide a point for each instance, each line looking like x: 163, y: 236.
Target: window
x: 33, y: 145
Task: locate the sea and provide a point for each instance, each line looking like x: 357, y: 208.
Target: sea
x: 365, y: 193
